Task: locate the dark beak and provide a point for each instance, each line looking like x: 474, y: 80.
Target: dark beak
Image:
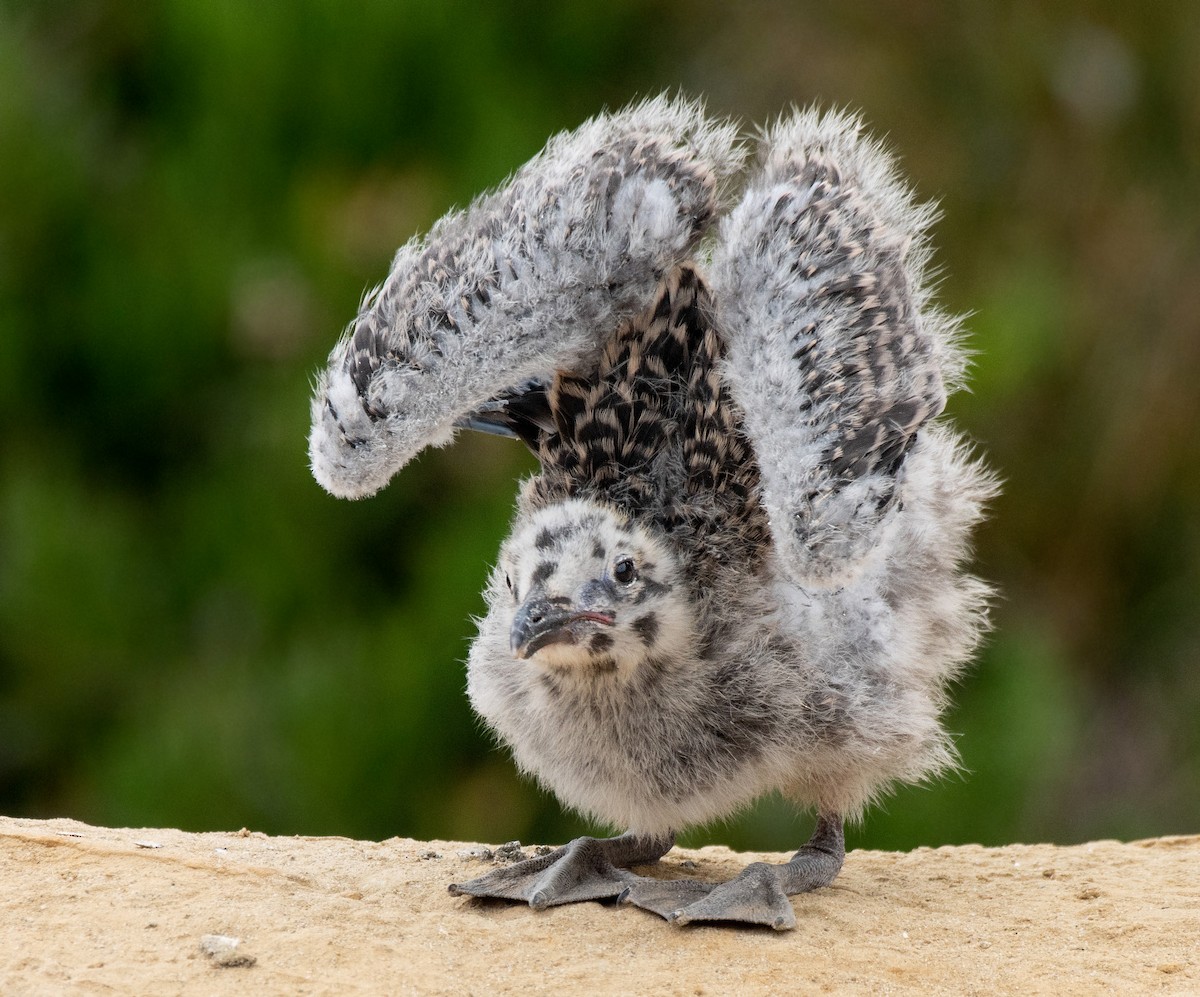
x: 541, y: 621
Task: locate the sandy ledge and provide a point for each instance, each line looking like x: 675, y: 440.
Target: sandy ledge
x: 90, y: 910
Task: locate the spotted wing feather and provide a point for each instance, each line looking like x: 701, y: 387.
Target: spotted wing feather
x: 835, y: 354
x: 528, y: 279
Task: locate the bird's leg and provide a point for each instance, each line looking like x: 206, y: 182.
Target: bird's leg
x: 584, y: 869
x: 759, y: 895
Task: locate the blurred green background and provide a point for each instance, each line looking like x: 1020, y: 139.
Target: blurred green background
x: 194, y: 195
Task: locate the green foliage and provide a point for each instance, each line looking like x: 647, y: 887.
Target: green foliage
x: 194, y: 195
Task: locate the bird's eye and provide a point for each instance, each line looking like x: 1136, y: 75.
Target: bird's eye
x: 508, y: 581
x: 624, y: 571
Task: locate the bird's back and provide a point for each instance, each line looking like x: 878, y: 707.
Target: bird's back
x: 652, y: 431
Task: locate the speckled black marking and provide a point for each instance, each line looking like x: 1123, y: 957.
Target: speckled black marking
x: 544, y: 539
x: 542, y: 572
x: 551, y: 683
x: 598, y: 550
x: 650, y: 428
x: 604, y: 665
x: 646, y: 627
x: 648, y: 588
x: 599, y: 643
x: 651, y: 673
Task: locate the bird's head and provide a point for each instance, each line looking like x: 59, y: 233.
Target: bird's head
x: 582, y: 586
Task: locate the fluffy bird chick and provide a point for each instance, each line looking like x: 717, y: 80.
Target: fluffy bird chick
x: 740, y: 569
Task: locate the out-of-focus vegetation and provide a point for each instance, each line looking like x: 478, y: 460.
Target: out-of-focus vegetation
x: 193, y: 196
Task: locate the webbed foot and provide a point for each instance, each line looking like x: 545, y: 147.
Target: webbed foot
x: 584, y: 869
x: 754, y: 897
x: 758, y: 895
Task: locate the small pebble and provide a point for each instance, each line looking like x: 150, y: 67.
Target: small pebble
x: 510, y: 851
x: 481, y: 854
x: 223, y: 951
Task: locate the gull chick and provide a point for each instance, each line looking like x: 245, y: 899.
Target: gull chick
x: 741, y: 567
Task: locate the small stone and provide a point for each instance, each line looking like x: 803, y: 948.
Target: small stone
x: 480, y: 854
x: 223, y: 951
x: 510, y: 851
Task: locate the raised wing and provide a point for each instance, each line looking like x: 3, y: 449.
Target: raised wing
x: 835, y: 354
x: 526, y: 280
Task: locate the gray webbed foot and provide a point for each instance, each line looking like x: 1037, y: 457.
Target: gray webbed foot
x: 584, y: 869
x: 755, y: 897
x: 758, y: 895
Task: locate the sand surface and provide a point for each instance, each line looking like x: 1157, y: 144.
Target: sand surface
x: 88, y: 910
